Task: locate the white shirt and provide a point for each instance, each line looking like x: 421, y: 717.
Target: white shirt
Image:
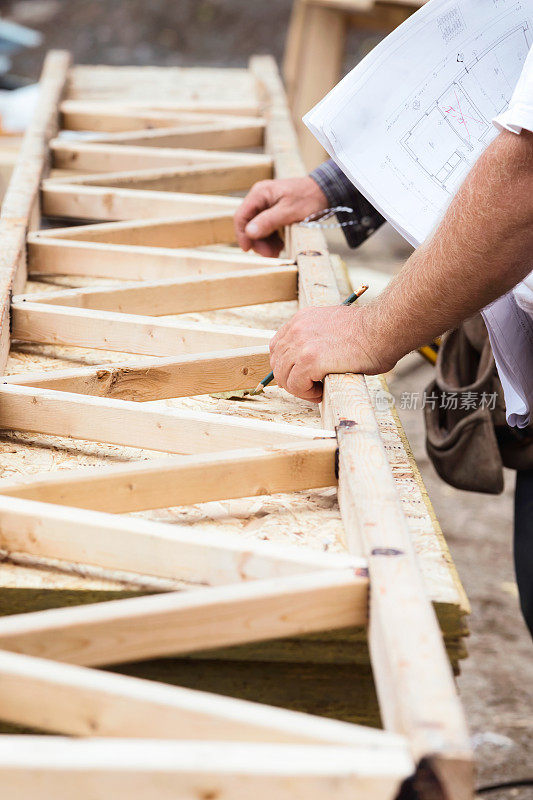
x: 510, y: 318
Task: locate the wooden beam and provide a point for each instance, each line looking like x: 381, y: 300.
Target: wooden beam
x: 131, y: 106
x: 413, y: 676
x: 102, y: 203
x: 206, y: 135
x: 158, y: 378
x: 52, y: 696
x: 185, y: 480
x: 119, y: 631
x: 126, y: 333
x: 412, y: 673
x: 159, y: 298
x: 175, y: 552
x: 143, y: 770
x: 20, y: 205
x: 202, y: 178
x: 111, y: 117
x: 320, y: 59
x: 177, y: 430
x: 190, y: 231
x: 129, y: 262
x: 95, y: 157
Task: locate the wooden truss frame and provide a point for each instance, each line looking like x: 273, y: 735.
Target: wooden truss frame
x: 149, y: 182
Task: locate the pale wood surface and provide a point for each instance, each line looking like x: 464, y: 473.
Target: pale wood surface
x: 126, y: 333
x: 412, y: 674
x: 206, y: 535
x: 102, y: 203
x: 186, y: 480
x: 184, y: 622
x: 144, y: 547
x: 129, y: 262
x: 20, y: 204
x: 171, y: 296
x: 314, y: 517
x: 95, y: 157
x: 55, y: 696
x: 126, y: 770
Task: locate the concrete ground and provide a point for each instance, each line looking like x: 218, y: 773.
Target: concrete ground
x: 497, y: 679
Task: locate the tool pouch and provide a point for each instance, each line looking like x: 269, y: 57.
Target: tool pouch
x: 467, y: 436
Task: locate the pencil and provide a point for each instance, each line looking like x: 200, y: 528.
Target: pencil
x: 349, y: 300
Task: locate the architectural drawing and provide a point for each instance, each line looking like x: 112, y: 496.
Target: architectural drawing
x: 458, y: 125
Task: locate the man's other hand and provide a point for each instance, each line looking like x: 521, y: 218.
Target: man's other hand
x: 269, y: 206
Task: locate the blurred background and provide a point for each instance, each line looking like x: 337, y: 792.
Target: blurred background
x: 496, y: 680
x: 159, y: 32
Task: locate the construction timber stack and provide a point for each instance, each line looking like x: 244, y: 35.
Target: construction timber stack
x: 258, y: 549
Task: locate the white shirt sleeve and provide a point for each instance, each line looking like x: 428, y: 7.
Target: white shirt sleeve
x: 519, y: 114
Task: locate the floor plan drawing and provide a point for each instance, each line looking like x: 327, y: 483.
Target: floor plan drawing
x: 459, y: 122
x: 409, y: 122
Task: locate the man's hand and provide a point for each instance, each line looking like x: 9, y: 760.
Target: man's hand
x: 269, y: 206
x: 320, y: 340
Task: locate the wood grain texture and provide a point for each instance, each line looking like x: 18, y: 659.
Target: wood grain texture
x: 180, y: 431
x: 127, y: 770
x: 194, y: 230
x: 95, y: 157
x: 227, y: 175
x: 182, y: 622
x: 20, y: 209
x: 185, y: 480
x: 127, y: 262
x: 151, y: 548
x: 205, y: 135
x: 126, y: 333
x: 413, y: 677
x: 158, y: 378
x: 171, y: 296
x: 77, y: 701
x: 102, y: 203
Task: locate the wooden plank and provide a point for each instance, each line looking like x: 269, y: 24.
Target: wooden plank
x: 53, y: 696
x: 126, y: 770
x: 159, y: 298
x: 112, y: 117
x: 205, y: 135
x: 126, y: 333
x: 158, y: 378
x: 187, y: 231
x: 412, y: 673
x: 413, y: 677
x: 185, y: 480
x: 94, y: 157
x: 181, y: 622
x: 175, y: 552
x: 128, y: 262
x: 181, y: 431
x: 102, y: 203
x: 20, y: 205
x: 228, y: 176
x: 321, y: 55
x: 202, y: 91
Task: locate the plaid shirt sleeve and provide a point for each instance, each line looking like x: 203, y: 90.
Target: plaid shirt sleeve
x: 340, y: 191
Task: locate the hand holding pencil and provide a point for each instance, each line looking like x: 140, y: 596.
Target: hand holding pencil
x: 349, y: 300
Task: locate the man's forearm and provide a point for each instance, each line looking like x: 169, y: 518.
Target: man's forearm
x: 482, y: 248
